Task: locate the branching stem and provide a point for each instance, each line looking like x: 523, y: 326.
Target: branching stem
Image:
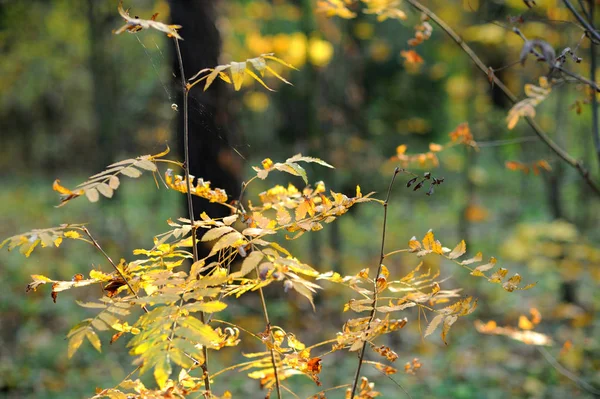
x: 186, y: 150
x: 374, y: 311
x: 114, y: 265
x: 589, y: 28
x: 561, y: 153
x: 268, y: 323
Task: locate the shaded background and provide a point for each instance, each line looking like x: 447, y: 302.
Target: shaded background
x: 75, y: 98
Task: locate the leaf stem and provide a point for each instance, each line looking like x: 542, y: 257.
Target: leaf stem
x: 562, y: 154
x: 589, y: 28
x: 374, y: 311
x: 114, y: 265
x: 268, y: 323
x: 186, y: 150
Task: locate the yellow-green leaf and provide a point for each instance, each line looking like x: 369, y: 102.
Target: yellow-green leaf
x: 75, y: 342
x: 476, y: 258
x: 94, y: 340
x: 162, y: 371
x: 207, y: 307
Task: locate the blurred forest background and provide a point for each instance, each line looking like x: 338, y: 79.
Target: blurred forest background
x: 75, y: 98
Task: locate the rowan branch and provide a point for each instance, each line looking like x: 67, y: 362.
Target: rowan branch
x: 561, y: 153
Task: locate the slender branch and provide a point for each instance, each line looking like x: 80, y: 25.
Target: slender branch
x: 374, y: 311
x: 186, y: 150
x: 582, y: 20
x: 497, y: 143
x: 554, y: 363
x: 393, y: 380
x: 328, y: 389
x: 268, y: 323
x: 562, y: 154
x: 114, y: 265
x: 582, y: 79
x: 587, y: 14
x: 595, y: 130
x: 559, y: 67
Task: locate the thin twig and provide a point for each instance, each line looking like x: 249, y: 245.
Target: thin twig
x: 394, y: 381
x: 114, y: 265
x: 268, y: 323
x: 562, y: 154
x: 497, y: 143
x: 186, y: 150
x: 582, y: 79
x: 374, y: 311
x: 329, y: 389
x: 554, y: 363
x: 582, y: 20
x: 559, y: 67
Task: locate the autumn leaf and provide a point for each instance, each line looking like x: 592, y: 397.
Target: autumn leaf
x: 238, y: 70
x: 134, y: 25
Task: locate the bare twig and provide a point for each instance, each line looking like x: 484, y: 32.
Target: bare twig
x: 186, y: 150
x: 561, y: 153
x: 374, y: 311
x: 114, y: 265
x: 268, y: 323
x: 582, y: 20
x: 592, y: 83
x: 554, y: 363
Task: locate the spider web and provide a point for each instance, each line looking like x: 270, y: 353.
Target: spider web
x: 170, y: 84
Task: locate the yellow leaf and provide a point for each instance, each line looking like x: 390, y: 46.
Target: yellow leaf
x: 94, y: 340
x: 414, y: 244
x: 237, y: 71
x: 98, y: 275
x: 251, y: 262
x: 226, y: 241
x: 215, y: 233
x: 283, y: 216
x: 162, y: 371
x: 75, y: 342
x: 480, y: 269
x: 435, y: 147
x: 524, y: 323
x: 458, y: 251
x: 433, y: 325
x: 60, y: 189
x: 428, y: 241
x: 207, y: 307
x: 448, y: 322
x: 476, y: 258
x: 72, y: 234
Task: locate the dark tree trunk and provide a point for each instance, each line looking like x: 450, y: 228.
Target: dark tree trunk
x: 211, y: 156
